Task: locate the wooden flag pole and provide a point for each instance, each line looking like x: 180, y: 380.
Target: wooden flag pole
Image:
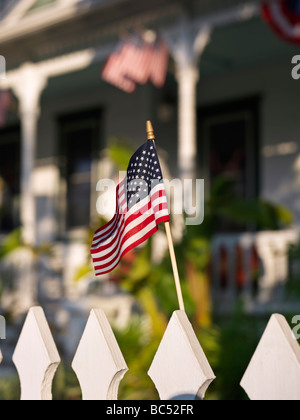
x: 151, y: 136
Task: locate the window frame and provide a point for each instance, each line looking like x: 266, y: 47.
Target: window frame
x: 226, y: 112
x: 12, y: 135
x: 67, y: 123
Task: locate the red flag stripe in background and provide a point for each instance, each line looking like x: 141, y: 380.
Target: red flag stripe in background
x: 134, y: 222
x: 138, y: 59
x: 114, y: 72
x: 159, y: 66
x: 137, y: 62
x: 284, y: 18
x: 5, y: 101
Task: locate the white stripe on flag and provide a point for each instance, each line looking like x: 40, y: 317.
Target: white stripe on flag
x: 126, y: 245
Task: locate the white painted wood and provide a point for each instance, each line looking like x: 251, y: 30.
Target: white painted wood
x: 274, y: 371
x: 98, y: 362
x: 36, y: 357
x: 18, y: 11
x: 180, y: 369
x: 28, y: 92
x: 222, y: 17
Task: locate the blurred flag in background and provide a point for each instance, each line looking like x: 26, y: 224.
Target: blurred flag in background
x: 284, y: 17
x: 137, y: 61
x: 5, y: 101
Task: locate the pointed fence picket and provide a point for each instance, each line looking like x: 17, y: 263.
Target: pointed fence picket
x: 98, y: 362
x: 274, y: 371
x: 36, y: 357
x: 179, y: 370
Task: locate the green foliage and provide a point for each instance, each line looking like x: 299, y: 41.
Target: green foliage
x: 138, y: 347
x: 81, y: 272
x: 10, y: 388
x: 120, y: 152
x: 13, y: 241
x: 10, y: 243
x: 223, y: 204
x: 65, y: 384
x: 238, y: 339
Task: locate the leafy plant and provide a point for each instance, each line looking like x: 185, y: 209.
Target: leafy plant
x: 10, y: 388
x: 120, y: 152
x: 10, y: 243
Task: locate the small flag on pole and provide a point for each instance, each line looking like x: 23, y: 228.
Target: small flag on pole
x: 141, y: 205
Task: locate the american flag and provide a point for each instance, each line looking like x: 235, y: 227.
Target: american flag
x: 137, y: 62
x: 284, y: 18
x: 141, y: 205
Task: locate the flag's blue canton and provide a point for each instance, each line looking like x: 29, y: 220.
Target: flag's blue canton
x: 294, y: 6
x: 143, y: 173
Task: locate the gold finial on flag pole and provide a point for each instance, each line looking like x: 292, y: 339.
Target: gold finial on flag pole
x: 151, y: 136
x: 150, y: 131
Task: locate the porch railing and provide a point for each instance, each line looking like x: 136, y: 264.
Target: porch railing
x: 252, y: 265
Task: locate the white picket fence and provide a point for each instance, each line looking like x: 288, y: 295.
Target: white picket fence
x: 180, y: 368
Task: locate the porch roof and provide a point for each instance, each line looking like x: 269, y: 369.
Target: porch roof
x: 37, y: 30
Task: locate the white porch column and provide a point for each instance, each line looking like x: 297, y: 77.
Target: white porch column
x: 187, y: 77
x: 28, y: 87
x: 187, y: 43
x: 187, y: 47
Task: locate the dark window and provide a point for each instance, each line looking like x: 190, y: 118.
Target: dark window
x: 228, y: 143
x: 80, y: 134
x: 9, y: 179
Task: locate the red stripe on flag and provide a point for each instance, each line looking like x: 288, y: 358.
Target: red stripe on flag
x: 124, y: 221
x: 124, y: 237
x: 5, y: 100
x: 99, y: 270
